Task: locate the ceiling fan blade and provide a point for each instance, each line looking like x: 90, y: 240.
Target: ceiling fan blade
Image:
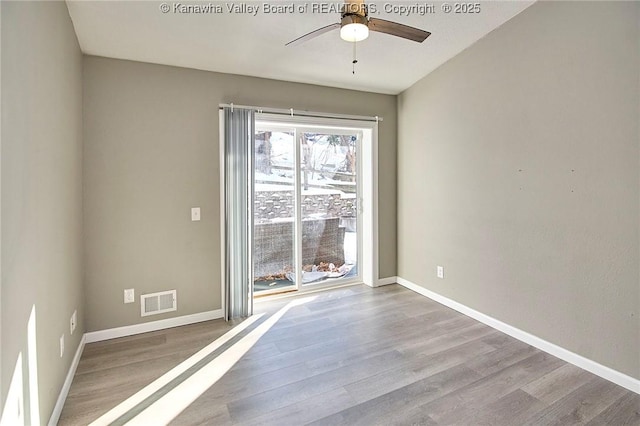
x: 398, y: 30
x: 313, y: 34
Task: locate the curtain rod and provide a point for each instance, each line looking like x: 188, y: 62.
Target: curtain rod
x: 300, y: 113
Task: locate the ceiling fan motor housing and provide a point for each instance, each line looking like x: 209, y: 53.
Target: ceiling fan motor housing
x: 354, y: 19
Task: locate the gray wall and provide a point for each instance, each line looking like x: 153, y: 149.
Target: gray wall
x: 41, y: 190
x: 518, y: 171
x: 151, y: 153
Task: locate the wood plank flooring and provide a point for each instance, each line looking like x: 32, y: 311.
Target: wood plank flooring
x: 357, y: 356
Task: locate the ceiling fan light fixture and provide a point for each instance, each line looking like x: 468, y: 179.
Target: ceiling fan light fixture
x: 354, y: 32
x: 354, y: 28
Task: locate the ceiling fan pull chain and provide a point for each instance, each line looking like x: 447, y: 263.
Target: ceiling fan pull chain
x: 355, y: 60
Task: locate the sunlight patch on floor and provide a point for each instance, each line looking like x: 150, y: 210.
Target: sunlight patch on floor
x: 156, y: 385
x: 176, y: 400
x: 179, y: 398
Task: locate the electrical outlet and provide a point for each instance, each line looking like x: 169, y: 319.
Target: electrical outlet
x: 440, y: 272
x: 61, y: 345
x: 195, y: 214
x: 129, y: 296
x: 73, y: 321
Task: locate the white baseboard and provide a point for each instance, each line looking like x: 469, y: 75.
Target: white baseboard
x: 57, y: 409
x: 386, y: 281
x: 130, y: 330
x: 605, y: 372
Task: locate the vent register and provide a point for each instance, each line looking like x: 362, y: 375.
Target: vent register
x: 158, y: 303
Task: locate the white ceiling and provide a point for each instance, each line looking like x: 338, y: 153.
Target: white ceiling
x: 241, y: 43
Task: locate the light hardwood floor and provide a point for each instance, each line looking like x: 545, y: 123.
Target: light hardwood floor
x: 356, y: 355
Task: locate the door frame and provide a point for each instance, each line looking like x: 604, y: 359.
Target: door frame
x: 368, y: 259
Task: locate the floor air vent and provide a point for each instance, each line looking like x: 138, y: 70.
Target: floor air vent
x: 157, y: 303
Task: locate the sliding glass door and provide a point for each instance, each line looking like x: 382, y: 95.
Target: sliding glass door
x: 306, y: 199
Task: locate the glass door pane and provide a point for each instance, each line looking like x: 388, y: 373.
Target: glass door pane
x: 274, y: 207
x: 329, y: 198
x: 306, y: 229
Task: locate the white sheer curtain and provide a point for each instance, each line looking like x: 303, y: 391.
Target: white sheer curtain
x: 238, y: 187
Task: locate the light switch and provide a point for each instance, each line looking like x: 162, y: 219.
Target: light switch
x: 129, y: 295
x: 195, y: 214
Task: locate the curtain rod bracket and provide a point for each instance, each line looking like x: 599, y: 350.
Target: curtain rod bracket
x: 377, y: 119
x: 231, y: 107
x: 291, y: 109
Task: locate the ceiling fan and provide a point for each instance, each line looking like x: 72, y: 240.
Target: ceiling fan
x: 356, y: 24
